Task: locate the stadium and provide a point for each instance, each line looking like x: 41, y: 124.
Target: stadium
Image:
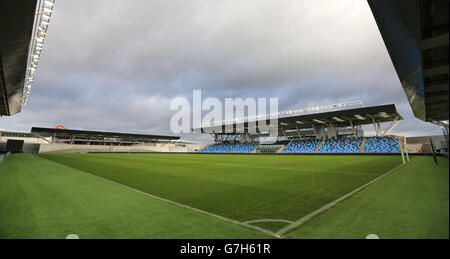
x: 323, y: 177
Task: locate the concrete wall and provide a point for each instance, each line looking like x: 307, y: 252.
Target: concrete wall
x: 31, y: 145
x: 27, y: 147
x: 26, y: 140
x: 414, y: 144
x: 68, y: 148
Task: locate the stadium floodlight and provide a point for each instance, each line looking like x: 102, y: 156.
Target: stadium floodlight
x: 49, y: 3
x: 359, y: 117
x: 384, y: 114
x: 319, y: 121
x: 41, y: 22
x: 297, y: 112
x: 337, y: 119
x: 323, y: 107
x: 46, y: 17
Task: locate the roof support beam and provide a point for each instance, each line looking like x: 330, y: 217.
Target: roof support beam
x: 437, y: 98
x: 436, y: 88
x: 391, y: 126
x: 377, y: 126
x: 299, y: 133
x: 437, y: 106
x: 39, y: 136
x: 353, y: 128
x: 434, y: 42
x: 435, y: 71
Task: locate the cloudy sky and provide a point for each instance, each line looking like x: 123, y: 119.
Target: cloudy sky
x: 116, y: 65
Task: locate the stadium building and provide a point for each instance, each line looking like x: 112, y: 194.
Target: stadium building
x: 21, y: 42
x: 416, y: 37
x: 97, y: 184
x: 62, y: 140
x: 339, y: 131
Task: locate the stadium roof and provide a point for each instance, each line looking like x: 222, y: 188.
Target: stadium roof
x: 415, y: 33
x: 100, y: 134
x: 342, y: 118
x: 17, y: 19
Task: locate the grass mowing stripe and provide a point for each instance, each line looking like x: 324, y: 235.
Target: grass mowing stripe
x: 176, y: 203
x: 330, y: 205
x: 236, y: 191
x: 412, y: 202
x: 248, y: 162
x: 41, y: 199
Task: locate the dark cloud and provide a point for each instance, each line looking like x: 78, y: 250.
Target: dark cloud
x: 115, y: 65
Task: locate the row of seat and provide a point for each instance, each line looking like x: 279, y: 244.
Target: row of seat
x: 344, y: 145
x: 381, y: 145
x: 304, y: 146
x: 244, y: 148
x: 229, y: 148
x: 341, y: 145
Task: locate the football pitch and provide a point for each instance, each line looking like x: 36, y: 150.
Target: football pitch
x: 221, y: 196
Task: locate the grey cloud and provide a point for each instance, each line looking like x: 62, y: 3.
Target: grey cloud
x: 115, y: 65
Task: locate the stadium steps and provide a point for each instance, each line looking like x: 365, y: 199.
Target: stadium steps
x: 208, y: 146
x: 363, y: 143
x: 318, y: 147
x: 254, y: 150
x: 283, y: 147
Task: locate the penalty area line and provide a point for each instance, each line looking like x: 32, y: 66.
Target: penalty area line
x: 269, y: 220
x: 174, y: 202
x: 304, y: 219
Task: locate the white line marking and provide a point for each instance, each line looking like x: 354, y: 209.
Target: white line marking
x: 331, y: 204
x: 269, y: 220
x: 173, y: 202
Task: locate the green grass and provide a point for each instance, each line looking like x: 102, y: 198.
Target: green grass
x: 413, y: 202
x: 56, y: 196
x: 240, y: 187
x: 41, y: 199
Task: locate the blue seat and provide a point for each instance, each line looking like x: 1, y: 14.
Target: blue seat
x: 381, y: 145
x: 341, y: 145
x: 302, y: 146
x: 229, y: 148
